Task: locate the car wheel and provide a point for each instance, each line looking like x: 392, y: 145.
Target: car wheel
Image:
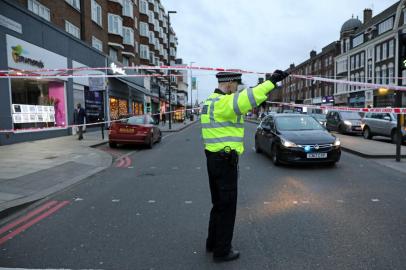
x: 257, y: 148
x: 367, y: 133
x: 151, y: 143
x: 394, y: 136
x: 275, y: 156
x: 112, y: 144
x: 159, y: 137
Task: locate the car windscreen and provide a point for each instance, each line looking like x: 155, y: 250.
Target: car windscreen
x: 350, y: 115
x: 291, y: 123
x: 136, y: 120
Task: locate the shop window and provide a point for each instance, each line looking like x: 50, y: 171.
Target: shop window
x: 137, y: 108
x: 118, y: 108
x: 94, y: 105
x: 38, y: 104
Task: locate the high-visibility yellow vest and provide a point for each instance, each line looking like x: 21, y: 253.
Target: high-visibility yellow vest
x: 222, y: 121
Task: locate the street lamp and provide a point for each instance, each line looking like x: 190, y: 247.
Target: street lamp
x: 191, y: 88
x: 169, y: 63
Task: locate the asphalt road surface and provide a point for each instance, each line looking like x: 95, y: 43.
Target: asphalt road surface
x: 150, y: 209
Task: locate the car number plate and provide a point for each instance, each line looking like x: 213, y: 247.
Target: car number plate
x: 126, y: 130
x: 317, y: 155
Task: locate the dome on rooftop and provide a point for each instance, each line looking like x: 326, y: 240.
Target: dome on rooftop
x: 350, y: 25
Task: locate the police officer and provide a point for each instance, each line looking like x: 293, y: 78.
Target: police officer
x: 223, y: 134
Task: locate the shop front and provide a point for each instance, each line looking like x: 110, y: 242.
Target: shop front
x: 341, y: 100
x: 384, y: 98
x: 36, y: 104
x: 357, y: 100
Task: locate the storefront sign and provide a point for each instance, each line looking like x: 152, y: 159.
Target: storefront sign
x: 117, y: 69
x: 22, y: 55
x: 94, y: 83
x: 10, y: 24
x: 97, y: 84
x: 328, y: 99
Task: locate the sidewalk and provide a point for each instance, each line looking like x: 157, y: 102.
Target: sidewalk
x: 33, y: 170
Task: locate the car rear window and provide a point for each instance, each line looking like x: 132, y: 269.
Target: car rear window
x: 350, y: 115
x: 290, y: 123
x: 136, y: 120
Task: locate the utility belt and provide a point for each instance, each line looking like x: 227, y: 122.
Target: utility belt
x: 226, y: 153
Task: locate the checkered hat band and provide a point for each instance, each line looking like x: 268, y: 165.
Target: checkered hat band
x: 229, y: 79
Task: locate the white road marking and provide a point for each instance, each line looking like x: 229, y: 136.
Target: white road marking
x: 188, y: 202
x: 115, y: 200
x: 131, y: 167
x: 375, y: 200
x: 151, y: 201
x: 198, y: 168
x: 138, y: 214
x: 78, y: 199
x: 267, y: 203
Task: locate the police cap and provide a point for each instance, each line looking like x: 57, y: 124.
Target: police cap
x: 228, y: 77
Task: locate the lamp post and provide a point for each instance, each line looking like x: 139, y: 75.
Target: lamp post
x: 169, y: 63
x: 191, y: 88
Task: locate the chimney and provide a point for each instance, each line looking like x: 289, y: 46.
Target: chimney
x: 313, y: 54
x: 292, y: 66
x: 367, y: 15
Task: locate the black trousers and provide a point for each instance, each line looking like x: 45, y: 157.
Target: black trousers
x: 80, y: 132
x: 223, y: 178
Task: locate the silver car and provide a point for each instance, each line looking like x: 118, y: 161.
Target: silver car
x: 381, y: 124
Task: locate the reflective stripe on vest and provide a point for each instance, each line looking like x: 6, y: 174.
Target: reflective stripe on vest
x: 235, y: 104
x: 222, y: 124
x: 251, y: 97
x: 224, y: 140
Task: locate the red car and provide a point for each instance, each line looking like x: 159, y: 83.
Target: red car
x: 139, y: 129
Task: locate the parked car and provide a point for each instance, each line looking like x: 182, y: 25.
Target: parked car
x: 381, y: 124
x: 321, y: 118
x: 344, y: 122
x: 141, y: 129
x: 296, y: 138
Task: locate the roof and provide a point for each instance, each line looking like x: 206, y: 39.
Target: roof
x: 351, y: 24
x: 378, y: 18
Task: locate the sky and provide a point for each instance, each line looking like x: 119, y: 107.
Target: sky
x: 257, y: 35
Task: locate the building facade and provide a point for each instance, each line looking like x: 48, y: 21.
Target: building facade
x: 123, y: 33
x: 370, y: 53
x: 307, y: 91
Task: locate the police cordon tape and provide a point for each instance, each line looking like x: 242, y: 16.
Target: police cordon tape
x: 90, y: 124
x: 23, y: 74
x: 345, y: 109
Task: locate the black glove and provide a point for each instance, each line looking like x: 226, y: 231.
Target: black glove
x: 277, y: 76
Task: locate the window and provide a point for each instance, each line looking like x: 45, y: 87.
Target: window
x: 378, y: 53
x: 72, y: 29
x: 113, y: 54
x: 97, y: 43
x: 378, y: 75
x: 342, y: 66
x: 144, y: 31
x: 352, y: 62
x: 39, y: 9
x: 384, y: 76
x: 126, y: 61
x: 370, y: 52
x: 404, y: 77
x: 347, y: 45
x: 128, y: 8
x: 96, y: 13
x: 385, y: 26
x: 136, y: 46
x: 74, y: 3
x: 151, y: 38
x: 144, y: 52
x: 391, y: 73
x: 357, y: 61
x: 362, y: 76
x: 151, y: 17
x: 362, y: 60
x: 144, y: 6
x: 358, y: 40
x: 391, y: 48
x: 115, y: 24
x: 384, y: 51
x: 128, y: 36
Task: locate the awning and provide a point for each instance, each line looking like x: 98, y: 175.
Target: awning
x: 135, y: 86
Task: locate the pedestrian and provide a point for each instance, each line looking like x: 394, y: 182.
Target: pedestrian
x: 223, y: 134
x: 79, y: 116
x: 164, y: 119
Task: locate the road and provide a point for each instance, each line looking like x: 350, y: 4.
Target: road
x: 150, y: 211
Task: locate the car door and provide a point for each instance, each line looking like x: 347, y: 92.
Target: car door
x: 386, y: 124
x: 261, y: 132
x: 269, y: 135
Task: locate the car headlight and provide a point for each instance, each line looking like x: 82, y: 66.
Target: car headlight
x: 287, y: 143
x: 337, y: 142
x: 348, y: 123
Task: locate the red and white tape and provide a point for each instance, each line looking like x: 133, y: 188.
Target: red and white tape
x: 347, y: 109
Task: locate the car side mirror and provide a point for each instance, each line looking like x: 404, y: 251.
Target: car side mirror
x: 266, y: 128
x: 387, y: 118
